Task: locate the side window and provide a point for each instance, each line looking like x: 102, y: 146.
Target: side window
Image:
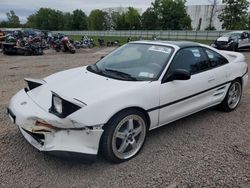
x: 192, y: 59
x: 215, y: 58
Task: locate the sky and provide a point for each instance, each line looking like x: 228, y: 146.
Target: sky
x: 24, y: 8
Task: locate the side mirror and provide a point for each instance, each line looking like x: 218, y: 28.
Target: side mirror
x: 178, y: 74
x: 102, y: 57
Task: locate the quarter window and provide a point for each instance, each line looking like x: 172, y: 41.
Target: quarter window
x: 215, y: 58
x: 191, y: 59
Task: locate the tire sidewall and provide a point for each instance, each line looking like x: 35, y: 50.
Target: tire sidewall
x: 106, y: 141
x: 225, y: 104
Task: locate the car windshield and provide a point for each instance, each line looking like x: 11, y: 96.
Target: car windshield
x: 232, y: 35
x: 139, y: 62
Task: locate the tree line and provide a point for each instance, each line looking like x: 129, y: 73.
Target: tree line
x: 161, y: 15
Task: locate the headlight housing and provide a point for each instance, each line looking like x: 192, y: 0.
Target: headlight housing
x: 61, y: 107
x: 57, y: 103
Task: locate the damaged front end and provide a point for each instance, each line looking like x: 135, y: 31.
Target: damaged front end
x: 52, y: 132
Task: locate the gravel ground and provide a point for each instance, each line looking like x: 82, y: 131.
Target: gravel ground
x: 208, y: 149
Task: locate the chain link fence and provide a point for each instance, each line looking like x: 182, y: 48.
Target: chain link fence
x: 148, y: 34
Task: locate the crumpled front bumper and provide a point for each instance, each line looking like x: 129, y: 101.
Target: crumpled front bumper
x: 221, y: 46
x: 37, y: 127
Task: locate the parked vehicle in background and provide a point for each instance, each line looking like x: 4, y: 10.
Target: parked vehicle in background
x: 101, y: 42
x: 67, y: 45
x: 55, y: 41
x: 2, y: 35
x: 85, y: 42
x: 17, y: 43
x: 233, y: 41
x: 113, y: 43
x: 62, y: 42
x: 143, y: 85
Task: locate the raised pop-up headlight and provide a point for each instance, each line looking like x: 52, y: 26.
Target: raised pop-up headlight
x: 63, y: 108
x: 33, y: 83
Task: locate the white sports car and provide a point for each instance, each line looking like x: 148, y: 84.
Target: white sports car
x: 111, y: 105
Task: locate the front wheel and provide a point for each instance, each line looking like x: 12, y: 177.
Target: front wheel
x: 124, y: 136
x: 233, y: 97
x: 235, y: 47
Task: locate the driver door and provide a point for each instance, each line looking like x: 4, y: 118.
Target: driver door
x: 180, y: 98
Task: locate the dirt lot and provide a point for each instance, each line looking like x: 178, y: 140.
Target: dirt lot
x: 208, y: 149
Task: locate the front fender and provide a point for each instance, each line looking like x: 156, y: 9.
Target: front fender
x: 145, y: 96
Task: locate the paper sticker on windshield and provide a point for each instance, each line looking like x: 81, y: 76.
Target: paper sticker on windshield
x: 146, y: 75
x: 160, y: 49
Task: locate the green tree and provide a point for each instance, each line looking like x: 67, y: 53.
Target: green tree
x: 150, y: 20
x: 248, y: 21
x: 31, y: 21
x: 172, y: 14
x: 12, y: 19
x: 67, y: 21
x: 46, y: 19
x: 132, y: 19
x: 3, y: 24
x: 119, y: 20
x: 234, y: 16
x: 97, y: 20
x: 79, y: 21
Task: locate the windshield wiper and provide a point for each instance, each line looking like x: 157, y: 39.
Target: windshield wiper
x: 121, y: 74
x: 95, y: 68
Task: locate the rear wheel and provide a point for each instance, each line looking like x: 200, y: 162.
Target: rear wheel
x: 124, y: 136
x: 233, y: 97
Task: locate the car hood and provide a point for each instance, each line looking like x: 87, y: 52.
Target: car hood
x: 79, y: 85
x: 223, y: 39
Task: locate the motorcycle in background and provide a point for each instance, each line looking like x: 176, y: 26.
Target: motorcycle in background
x: 68, y: 45
x: 101, y: 42
x: 62, y: 42
x: 85, y: 42
x: 113, y: 43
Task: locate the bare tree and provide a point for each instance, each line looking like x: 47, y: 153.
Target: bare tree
x: 214, y: 4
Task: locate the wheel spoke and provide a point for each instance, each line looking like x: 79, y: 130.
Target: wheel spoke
x: 133, y: 144
x: 130, y: 124
x: 233, y: 87
x: 231, y: 93
x: 236, y: 92
x: 121, y: 135
x: 123, y: 146
x: 137, y: 131
x: 129, y: 136
x: 230, y: 100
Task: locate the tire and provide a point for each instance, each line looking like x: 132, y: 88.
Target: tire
x: 124, y: 136
x: 228, y: 104
x: 235, y: 47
